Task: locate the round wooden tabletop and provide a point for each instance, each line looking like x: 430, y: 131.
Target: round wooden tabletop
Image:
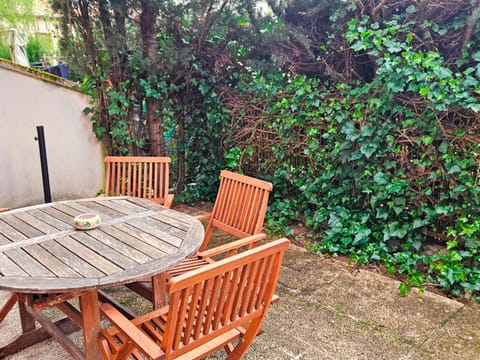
x: 42, y: 252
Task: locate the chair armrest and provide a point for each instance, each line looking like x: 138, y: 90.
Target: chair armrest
x: 126, y: 327
x: 204, y: 216
x: 232, y: 247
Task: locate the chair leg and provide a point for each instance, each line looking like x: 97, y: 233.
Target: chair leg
x: 246, y: 340
x: 105, y: 348
x: 229, y: 348
x: 122, y: 352
x: 125, y: 351
x: 206, y: 237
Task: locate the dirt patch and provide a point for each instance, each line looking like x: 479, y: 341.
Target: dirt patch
x: 195, y: 209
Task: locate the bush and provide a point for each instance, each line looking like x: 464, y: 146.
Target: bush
x: 5, y: 51
x: 378, y: 171
x: 37, y: 47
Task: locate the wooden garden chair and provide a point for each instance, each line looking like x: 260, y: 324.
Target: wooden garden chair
x: 239, y: 210
x: 209, y: 308
x: 141, y: 176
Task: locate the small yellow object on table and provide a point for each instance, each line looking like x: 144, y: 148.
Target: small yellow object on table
x: 87, y: 221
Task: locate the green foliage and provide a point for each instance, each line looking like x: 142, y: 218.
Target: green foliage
x: 401, y: 68
x: 119, y: 106
x: 376, y: 153
x: 37, y: 47
x: 21, y: 16
x: 373, y: 177
x: 205, y: 127
x: 5, y: 51
x: 16, y: 14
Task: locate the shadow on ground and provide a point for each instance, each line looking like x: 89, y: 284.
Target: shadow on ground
x: 330, y: 310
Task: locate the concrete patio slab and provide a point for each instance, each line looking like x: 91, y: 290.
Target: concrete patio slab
x: 331, y: 310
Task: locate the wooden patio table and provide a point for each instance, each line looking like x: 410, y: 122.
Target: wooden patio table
x: 45, y: 261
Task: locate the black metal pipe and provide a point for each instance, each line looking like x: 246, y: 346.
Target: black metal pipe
x: 43, y: 162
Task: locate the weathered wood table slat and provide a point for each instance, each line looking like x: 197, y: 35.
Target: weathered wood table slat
x: 43, y: 256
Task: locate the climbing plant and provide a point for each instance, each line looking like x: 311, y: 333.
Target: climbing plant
x: 384, y: 170
x: 364, y: 115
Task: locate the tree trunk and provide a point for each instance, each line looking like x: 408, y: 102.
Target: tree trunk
x: 149, y: 40
x: 180, y: 154
x: 88, y: 37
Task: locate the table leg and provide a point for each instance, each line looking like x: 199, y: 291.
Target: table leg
x: 159, y: 290
x: 31, y: 335
x: 89, y: 307
x: 12, y: 300
x: 27, y: 320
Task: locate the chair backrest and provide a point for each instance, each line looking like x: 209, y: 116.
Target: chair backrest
x: 140, y: 176
x: 209, y: 307
x: 240, y: 206
x: 211, y: 301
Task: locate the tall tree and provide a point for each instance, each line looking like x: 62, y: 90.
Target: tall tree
x: 148, y: 27
x: 156, y: 70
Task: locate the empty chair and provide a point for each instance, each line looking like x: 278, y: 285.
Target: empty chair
x: 209, y: 308
x: 140, y: 176
x: 240, y: 206
x: 239, y: 210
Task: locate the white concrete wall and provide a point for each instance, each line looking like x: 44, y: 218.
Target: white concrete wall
x: 75, y: 157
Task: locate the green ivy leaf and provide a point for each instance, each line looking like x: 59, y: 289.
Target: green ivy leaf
x: 424, y: 90
x: 368, y: 149
x: 418, y: 223
x: 361, y: 235
x: 474, y: 107
x: 393, y: 46
x: 471, y: 243
x: 396, y: 230
x: 454, y: 169
x: 380, y: 178
x: 99, y: 131
x: 382, y: 213
x: 349, y: 130
x: 452, y: 244
x: 412, y: 9
x: 470, y: 81
x: 443, y: 148
x: 455, y: 256
x: 203, y: 87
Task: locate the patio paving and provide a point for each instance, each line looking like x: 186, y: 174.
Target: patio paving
x: 330, y: 310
